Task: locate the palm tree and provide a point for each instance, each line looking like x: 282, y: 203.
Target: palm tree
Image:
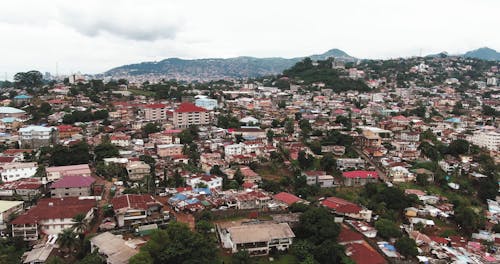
x: 67, y: 239
x: 80, y: 224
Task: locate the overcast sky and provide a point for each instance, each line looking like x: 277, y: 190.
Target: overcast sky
x: 94, y: 36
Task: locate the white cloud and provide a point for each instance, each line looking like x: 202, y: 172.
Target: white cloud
x: 93, y: 36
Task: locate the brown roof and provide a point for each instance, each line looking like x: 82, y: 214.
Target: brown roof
x: 53, y: 208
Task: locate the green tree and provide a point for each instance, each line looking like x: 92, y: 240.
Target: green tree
x: 28, y: 79
x: 178, y: 244
x: 458, y: 147
x: 150, y: 128
x: 327, y: 162
x: 80, y: 224
x: 93, y: 258
x: 55, y: 260
x: 317, y: 225
x: 305, y: 161
x: 467, y: 219
x: 241, y: 257
x: 238, y: 177
x: 67, y: 240
x: 270, y: 135
x: 105, y: 150
x: 142, y: 257
x: 406, y: 247
x: 387, y: 228
x: 289, y: 126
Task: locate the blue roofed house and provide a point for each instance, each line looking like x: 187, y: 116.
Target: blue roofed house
x: 22, y: 99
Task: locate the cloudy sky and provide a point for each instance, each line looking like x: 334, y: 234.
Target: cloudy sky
x: 94, y: 36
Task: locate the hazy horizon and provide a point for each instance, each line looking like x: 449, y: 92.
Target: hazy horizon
x: 95, y: 36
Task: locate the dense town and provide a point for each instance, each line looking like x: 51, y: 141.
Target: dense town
x: 367, y: 162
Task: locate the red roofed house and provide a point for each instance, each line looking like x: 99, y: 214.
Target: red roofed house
x: 362, y: 253
x: 359, y: 178
x: 155, y: 112
x: 346, y: 208
x: 120, y: 140
x: 348, y: 236
x: 67, y: 131
x: 72, y: 186
x: 134, y: 207
x: 51, y: 216
x: 287, y: 198
x: 27, y: 189
x: 188, y: 114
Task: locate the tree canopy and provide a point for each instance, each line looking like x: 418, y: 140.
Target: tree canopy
x: 176, y: 244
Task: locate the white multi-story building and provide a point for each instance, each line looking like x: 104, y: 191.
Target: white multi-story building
x: 206, y: 103
x: 188, y: 114
x: 155, y: 112
x: 234, y: 149
x: 486, y: 139
x: 17, y: 170
x: 37, y: 136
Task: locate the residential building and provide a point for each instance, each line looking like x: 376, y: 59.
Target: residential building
x: 155, y: 112
x: 6, y: 111
x: 131, y: 208
x: 208, y: 181
x: 400, y: 174
x: 7, y: 210
x: 51, y: 216
x: 350, y: 163
x: 206, y: 103
x: 114, y: 249
x: 67, y: 131
x: 345, y: 208
x: 72, y: 186
x: 359, y: 178
x: 17, y: 170
x: 188, y: 114
x: 486, y: 139
x: 28, y: 189
x: 120, y: 140
x: 234, y: 149
x: 37, y: 136
x: 54, y: 173
x: 257, y: 239
x: 137, y: 170
x: 169, y: 150
x: 318, y: 177
x: 252, y: 200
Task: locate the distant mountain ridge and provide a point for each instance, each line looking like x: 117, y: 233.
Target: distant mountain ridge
x: 484, y: 53
x: 247, y: 67
x: 217, y: 68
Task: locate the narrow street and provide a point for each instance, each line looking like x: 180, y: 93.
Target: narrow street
x: 105, y: 200
x: 381, y: 174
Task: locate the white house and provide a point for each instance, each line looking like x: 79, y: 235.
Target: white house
x: 51, y: 216
x: 400, y: 174
x: 210, y: 181
x: 17, y: 170
x: 234, y: 149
